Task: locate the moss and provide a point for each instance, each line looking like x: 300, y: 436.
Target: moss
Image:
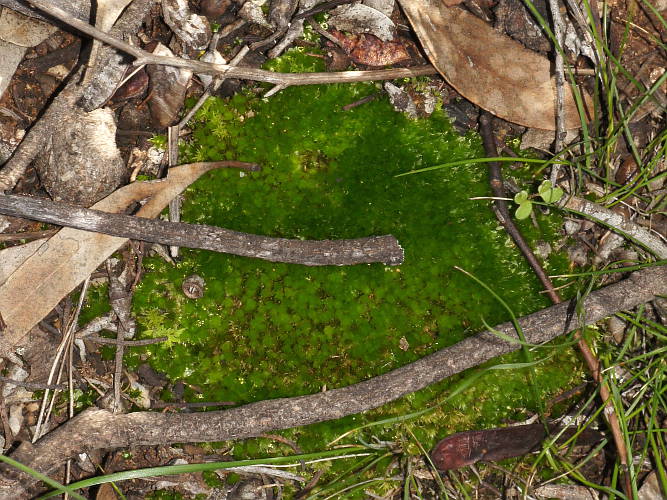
x: 96, y: 303
x: 267, y: 330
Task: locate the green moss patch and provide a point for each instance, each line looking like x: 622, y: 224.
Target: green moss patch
x: 267, y: 330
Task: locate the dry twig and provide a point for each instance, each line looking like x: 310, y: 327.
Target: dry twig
x: 383, y: 249
x: 227, y: 71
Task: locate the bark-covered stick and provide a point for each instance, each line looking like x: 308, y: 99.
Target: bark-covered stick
x: 383, y: 249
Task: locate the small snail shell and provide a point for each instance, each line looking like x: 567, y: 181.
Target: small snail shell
x: 193, y: 286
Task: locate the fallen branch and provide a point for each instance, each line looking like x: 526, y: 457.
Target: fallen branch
x: 383, y: 249
x: 100, y: 429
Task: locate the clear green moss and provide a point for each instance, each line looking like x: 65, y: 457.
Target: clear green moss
x: 266, y: 330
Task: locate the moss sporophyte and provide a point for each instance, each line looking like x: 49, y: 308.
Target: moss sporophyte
x: 266, y: 330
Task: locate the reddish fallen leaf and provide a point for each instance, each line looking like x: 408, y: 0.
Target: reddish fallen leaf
x: 469, y: 447
x: 134, y: 87
x: 371, y: 51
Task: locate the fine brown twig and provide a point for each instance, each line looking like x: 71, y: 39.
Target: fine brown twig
x: 504, y: 217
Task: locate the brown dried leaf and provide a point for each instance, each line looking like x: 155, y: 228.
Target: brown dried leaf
x: 371, y: 51
x: 466, y: 448
x: 47, y: 272
x: 167, y: 89
x: 488, y: 68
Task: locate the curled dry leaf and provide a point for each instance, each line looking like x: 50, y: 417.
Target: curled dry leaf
x: 167, y: 89
x: 488, y: 68
x: 51, y: 269
x: 469, y: 447
x: 371, y: 51
x: 193, y: 286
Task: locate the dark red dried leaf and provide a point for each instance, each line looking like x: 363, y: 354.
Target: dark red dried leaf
x: 371, y: 51
x: 466, y: 448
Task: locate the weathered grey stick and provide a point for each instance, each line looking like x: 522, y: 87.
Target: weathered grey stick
x: 100, y: 429
x: 383, y: 249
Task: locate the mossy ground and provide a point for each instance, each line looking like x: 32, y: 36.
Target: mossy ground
x: 266, y: 330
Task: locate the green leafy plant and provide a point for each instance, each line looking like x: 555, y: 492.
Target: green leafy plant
x: 546, y: 191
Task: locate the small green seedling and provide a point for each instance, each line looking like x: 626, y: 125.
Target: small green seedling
x: 546, y: 191
x: 549, y: 193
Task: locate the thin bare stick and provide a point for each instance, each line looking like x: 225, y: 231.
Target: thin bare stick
x: 560, y: 83
x: 34, y: 386
x: 616, y: 222
x: 131, y: 343
x: 68, y: 337
x: 285, y: 79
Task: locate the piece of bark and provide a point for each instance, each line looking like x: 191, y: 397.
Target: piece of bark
x: 82, y: 164
x: 94, y: 428
x: 193, y: 30
x: 383, y: 249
